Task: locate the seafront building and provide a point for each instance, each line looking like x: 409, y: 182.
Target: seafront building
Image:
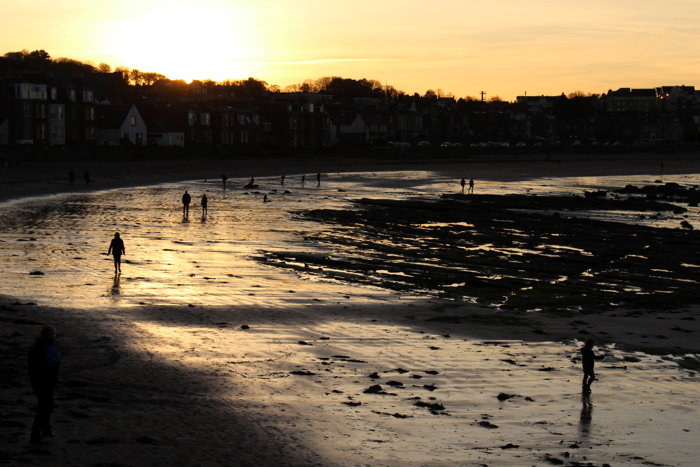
x: 103, y: 109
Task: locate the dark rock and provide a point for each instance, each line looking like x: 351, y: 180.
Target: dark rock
x: 504, y: 397
x: 487, y: 424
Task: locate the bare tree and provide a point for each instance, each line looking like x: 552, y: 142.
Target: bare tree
x: 104, y: 68
x: 124, y: 70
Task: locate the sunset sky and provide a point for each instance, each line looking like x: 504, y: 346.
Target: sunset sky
x: 501, y: 47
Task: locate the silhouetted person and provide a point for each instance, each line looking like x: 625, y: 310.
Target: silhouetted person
x: 265, y: 199
x: 463, y: 183
x: 204, y: 204
x: 43, y: 361
x: 303, y: 180
x: 223, y: 180
x: 116, y: 248
x: 589, y: 357
x: 186, y: 198
x: 282, y: 180
x: 71, y: 176
x: 87, y: 178
x: 318, y: 178
x: 471, y: 185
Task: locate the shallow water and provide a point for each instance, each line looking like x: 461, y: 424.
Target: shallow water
x: 217, y: 259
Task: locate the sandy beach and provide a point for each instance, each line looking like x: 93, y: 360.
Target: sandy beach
x: 347, y: 375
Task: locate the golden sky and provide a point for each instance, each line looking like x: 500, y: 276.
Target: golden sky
x: 501, y: 47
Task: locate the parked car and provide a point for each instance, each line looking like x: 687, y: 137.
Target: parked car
x: 505, y: 145
x: 520, y: 144
x: 446, y: 145
x: 457, y: 145
x: 424, y: 143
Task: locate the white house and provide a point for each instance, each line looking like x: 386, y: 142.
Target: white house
x: 163, y: 133
x: 118, y: 123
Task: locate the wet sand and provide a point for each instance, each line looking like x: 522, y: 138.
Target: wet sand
x: 292, y: 381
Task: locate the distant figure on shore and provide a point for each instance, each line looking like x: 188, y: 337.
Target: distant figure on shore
x: 204, y: 204
x: 87, y: 178
x: 71, y: 176
x: 318, y: 178
x: 471, y: 186
x: 589, y: 357
x: 116, y: 248
x: 282, y: 180
x: 223, y: 180
x: 303, y: 180
x: 463, y: 183
x: 43, y: 362
x: 265, y: 199
x: 186, y: 198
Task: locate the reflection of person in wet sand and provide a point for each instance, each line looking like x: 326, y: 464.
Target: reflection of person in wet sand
x: 471, y: 186
x: 586, y: 410
x: 589, y: 357
x: 463, y: 183
x: 116, y: 248
x: 186, y: 198
x: 116, y: 289
x: 204, y: 204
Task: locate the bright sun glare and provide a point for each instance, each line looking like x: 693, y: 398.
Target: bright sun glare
x: 183, y: 44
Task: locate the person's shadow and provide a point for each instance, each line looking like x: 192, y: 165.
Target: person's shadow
x: 116, y: 287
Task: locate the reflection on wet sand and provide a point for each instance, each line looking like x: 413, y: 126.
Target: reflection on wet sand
x: 116, y: 286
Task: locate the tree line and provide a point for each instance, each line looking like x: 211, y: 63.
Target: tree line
x: 576, y: 104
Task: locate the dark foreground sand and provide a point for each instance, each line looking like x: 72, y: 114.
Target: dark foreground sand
x: 190, y: 386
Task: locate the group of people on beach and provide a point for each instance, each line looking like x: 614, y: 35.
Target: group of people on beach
x: 71, y: 177
x: 187, y: 199
x: 463, y: 182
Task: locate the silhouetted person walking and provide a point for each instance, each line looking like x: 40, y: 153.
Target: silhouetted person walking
x: 116, y: 248
x: 223, y: 180
x: 318, y: 178
x: 282, y: 180
x: 204, y: 204
x: 43, y: 361
x: 186, y: 198
x: 471, y: 185
x: 589, y: 357
x: 463, y: 183
x: 303, y: 180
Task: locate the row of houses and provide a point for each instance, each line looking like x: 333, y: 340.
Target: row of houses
x: 101, y: 109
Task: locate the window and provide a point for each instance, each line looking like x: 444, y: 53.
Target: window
x: 87, y: 96
x: 92, y: 113
x: 205, y: 118
x: 71, y: 94
x: 27, y: 110
x: 54, y: 94
x: 133, y: 121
